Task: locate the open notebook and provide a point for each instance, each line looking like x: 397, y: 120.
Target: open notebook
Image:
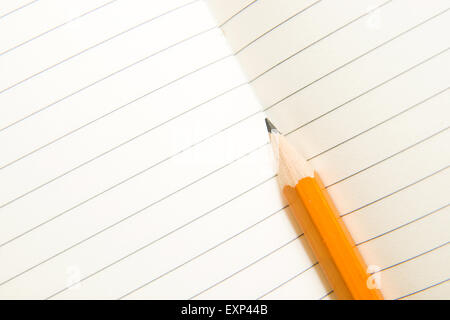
x: 134, y: 159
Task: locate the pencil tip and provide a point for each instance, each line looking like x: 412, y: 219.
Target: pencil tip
x: 270, y: 127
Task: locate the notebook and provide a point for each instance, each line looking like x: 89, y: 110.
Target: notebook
x: 135, y: 162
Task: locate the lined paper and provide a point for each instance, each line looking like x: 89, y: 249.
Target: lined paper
x: 11, y: 6
x: 135, y: 158
x: 53, y: 15
x: 112, y: 144
x: 362, y: 89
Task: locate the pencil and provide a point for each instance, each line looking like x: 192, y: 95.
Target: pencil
x: 323, y: 228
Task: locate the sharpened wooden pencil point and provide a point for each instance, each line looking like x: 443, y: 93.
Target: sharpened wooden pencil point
x: 316, y: 214
x: 270, y: 127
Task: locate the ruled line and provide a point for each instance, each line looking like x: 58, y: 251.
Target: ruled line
x: 171, y: 156
x: 247, y: 266
x: 105, y: 228
x: 317, y: 41
x: 130, y: 178
x: 154, y: 165
x: 121, y: 107
x: 405, y: 224
x: 79, y: 90
x: 389, y: 157
x: 123, y: 143
x: 165, y: 122
x: 282, y: 246
x: 398, y: 190
x: 345, y: 64
x: 240, y: 232
x: 275, y: 27
x: 434, y: 211
x: 303, y: 125
x: 288, y: 280
x: 248, y: 82
x: 91, y: 237
x: 378, y: 124
x: 91, y: 47
x: 34, y: 228
x: 412, y: 258
x: 17, y: 9
x: 209, y: 212
x: 317, y: 263
x: 98, y: 44
x: 212, y: 248
x: 326, y: 295
x: 237, y: 13
x: 424, y: 289
x: 56, y: 27
x: 57, y: 139
x: 121, y: 70
x: 149, y: 206
x: 40, y: 148
x: 381, y: 84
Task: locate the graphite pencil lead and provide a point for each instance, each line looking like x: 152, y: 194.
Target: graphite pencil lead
x: 270, y: 127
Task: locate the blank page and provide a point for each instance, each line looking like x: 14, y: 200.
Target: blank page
x: 361, y: 88
x: 135, y: 160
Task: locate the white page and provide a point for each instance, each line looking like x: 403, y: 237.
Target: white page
x: 95, y: 178
x: 53, y: 14
x: 10, y: 6
x: 362, y: 89
x: 134, y: 158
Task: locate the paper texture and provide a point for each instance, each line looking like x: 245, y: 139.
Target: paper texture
x: 362, y: 89
x: 135, y: 161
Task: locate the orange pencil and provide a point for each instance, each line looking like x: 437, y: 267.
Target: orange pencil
x: 324, y: 230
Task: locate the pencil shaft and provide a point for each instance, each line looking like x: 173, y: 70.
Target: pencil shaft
x: 330, y: 241
x: 316, y: 214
